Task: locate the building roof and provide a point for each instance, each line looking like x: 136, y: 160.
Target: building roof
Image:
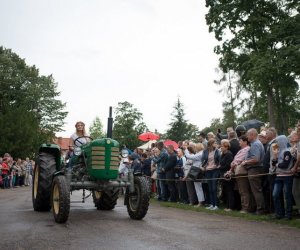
x: 62, y: 142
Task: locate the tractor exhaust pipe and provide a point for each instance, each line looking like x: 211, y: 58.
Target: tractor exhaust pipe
x: 110, y: 124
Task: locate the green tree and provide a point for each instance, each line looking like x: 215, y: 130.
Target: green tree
x: 96, y: 129
x: 228, y: 81
x: 214, y: 126
x: 128, y: 124
x: 259, y: 41
x: 180, y: 129
x: 30, y: 112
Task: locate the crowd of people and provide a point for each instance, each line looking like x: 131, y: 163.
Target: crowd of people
x: 15, y: 173
x: 247, y: 170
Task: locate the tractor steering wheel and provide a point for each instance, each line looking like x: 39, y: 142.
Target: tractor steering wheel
x: 81, y: 143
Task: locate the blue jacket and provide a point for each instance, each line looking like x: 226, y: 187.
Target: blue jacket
x: 179, y: 168
x: 161, y: 160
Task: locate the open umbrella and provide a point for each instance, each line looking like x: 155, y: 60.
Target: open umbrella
x: 170, y: 142
x: 253, y: 124
x: 148, y: 136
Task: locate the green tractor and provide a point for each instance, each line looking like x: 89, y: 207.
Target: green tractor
x: 93, y: 167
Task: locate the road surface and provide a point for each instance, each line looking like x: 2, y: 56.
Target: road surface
x: 162, y: 228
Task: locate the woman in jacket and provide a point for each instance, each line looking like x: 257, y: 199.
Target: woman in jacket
x: 186, y: 169
x: 227, y: 185
x: 283, y: 160
x: 211, y: 162
x: 196, y: 162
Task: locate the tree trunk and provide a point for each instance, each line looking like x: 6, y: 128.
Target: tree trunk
x: 271, y: 110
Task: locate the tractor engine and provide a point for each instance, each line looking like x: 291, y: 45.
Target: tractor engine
x: 80, y: 172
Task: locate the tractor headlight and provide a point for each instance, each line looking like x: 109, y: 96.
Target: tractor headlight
x: 77, y: 151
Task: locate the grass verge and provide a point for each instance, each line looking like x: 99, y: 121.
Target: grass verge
x: 251, y: 217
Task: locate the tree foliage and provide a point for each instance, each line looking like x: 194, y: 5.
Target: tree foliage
x: 96, y: 129
x: 30, y: 112
x: 179, y: 128
x: 128, y: 124
x: 260, y: 41
x: 214, y: 126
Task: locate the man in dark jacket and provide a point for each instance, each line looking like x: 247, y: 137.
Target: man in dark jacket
x: 169, y: 169
x: 234, y: 143
x: 268, y: 180
x: 135, y: 164
x: 160, y: 161
x: 146, y: 165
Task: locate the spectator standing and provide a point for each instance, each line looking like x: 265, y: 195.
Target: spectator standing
x: 23, y: 173
x: 268, y: 181
x: 14, y: 175
x: 179, y: 170
x: 262, y: 136
x: 146, y: 165
x: 202, y: 139
x: 28, y: 167
x: 197, y: 162
x: 189, y: 182
x: 227, y: 185
x: 211, y: 162
x: 210, y: 135
x: 254, y: 166
x: 234, y: 143
x: 283, y: 161
x: 240, y: 172
x: 160, y: 161
x: 18, y: 173
x: 220, y: 137
x: 169, y: 169
x: 135, y: 163
x: 294, y: 140
x: 5, y: 173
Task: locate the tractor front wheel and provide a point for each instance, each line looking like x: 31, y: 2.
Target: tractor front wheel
x: 42, y: 179
x: 60, y: 199
x: 138, y: 201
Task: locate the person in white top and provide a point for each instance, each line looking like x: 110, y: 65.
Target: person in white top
x: 80, y: 137
x: 197, y: 161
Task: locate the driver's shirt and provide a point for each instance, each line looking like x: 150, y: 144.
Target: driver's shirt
x: 80, y: 141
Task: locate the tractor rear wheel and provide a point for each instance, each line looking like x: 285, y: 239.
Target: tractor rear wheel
x: 60, y: 199
x: 105, y: 200
x: 42, y: 179
x: 138, y: 202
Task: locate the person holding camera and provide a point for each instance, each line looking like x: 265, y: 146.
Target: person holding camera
x: 283, y: 161
x: 196, y: 162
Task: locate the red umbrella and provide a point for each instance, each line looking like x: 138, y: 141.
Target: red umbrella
x: 148, y: 136
x: 170, y: 142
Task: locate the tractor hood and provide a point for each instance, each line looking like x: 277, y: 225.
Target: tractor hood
x: 102, y: 158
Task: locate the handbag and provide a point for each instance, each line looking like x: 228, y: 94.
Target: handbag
x: 240, y: 170
x: 195, y: 173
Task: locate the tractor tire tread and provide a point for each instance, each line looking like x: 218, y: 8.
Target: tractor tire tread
x: 47, y: 166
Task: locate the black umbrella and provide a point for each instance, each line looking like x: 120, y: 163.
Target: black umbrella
x: 253, y: 124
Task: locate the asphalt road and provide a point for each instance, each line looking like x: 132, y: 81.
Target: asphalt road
x: 162, y: 228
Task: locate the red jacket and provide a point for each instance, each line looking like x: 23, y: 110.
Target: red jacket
x: 5, y: 168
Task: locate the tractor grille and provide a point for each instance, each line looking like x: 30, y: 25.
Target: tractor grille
x: 98, y: 158
x: 114, y: 160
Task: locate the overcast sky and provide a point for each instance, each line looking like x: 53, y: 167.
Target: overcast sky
x: 101, y: 52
